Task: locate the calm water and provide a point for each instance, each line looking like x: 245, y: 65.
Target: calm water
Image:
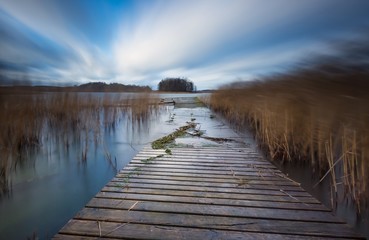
x: 51, y: 185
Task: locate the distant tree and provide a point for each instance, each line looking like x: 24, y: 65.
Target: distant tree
x: 176, y: 85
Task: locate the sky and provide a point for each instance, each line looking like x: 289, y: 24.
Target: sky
x: 211, y: 42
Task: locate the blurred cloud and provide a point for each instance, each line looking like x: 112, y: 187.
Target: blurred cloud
x: 140, y: 42
x: 181, y: 33
x: 61, y: 53
x: 218, y: 41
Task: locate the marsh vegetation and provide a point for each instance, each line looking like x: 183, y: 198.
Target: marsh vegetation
x: 316, y: 114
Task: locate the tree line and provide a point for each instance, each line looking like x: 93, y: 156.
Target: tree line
x: 176, y: 85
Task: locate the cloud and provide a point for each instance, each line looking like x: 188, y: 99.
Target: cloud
x: 181, y: 37
x: 209, y: 41
x: 246, y: 67
x: 236, y: 67
x: 179, y: 33
x: 78, y: 59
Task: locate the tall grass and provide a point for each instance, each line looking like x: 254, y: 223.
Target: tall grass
x: 29, y: 120
x: 318, y: 115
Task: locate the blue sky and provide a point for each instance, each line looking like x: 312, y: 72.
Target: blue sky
x: 211, y: 42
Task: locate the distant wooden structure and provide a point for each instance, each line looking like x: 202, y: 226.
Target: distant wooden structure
x: 204, y: 193
x: 167, y: 101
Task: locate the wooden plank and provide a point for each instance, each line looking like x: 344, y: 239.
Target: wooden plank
x: 219, y: 156
x: 216, y: 210
x: 204, y: 163
x: 280, y: 192
x: 229, y: 172
x: 202, y: 148
x: 237, y: 185
x: 216, y: 201
x: 278, y: 178
x: 175, y: 192
x: 173, y: 158
x: 216, y: 167
x: 211, y: 157
x: 144, y: 231
x: 217, y: 223
x: 75, y: 237
x: 199, y: 168
x: 213, y: 151
x: 210, y: 150
x: 223, y: 164
x: 214, y: 154
x: 234, y: 180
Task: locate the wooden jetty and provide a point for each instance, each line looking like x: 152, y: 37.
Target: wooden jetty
x: 204, y: 193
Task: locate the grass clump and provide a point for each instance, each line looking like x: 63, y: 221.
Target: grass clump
x: 168, y: 151
x: 161, y: 143
x: 151, y: 159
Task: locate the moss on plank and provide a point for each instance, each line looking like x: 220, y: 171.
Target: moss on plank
x: 161, y: 143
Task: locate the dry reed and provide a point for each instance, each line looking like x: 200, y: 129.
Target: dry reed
x: 318, y: 116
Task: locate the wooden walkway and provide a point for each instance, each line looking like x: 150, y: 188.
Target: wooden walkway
x: 205, y: 193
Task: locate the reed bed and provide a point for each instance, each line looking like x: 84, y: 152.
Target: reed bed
x: 30, y: 120
x: 318, y: 115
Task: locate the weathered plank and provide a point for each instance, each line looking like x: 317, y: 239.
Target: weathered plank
x: 76, y: 237
x: 220, y: 177
x: 143, y: 231
x: 234, y: 180
x: 229, y: 171
x: 209, y: 150
x: 212, y: 161
x: 215, y: 201
x: 237, y: 185
x: 211, y: 157
x: 222, y: 163
x: 118, y: 186
x: 216, y: 210
x: 216, y: 222
x: 118, y: 191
